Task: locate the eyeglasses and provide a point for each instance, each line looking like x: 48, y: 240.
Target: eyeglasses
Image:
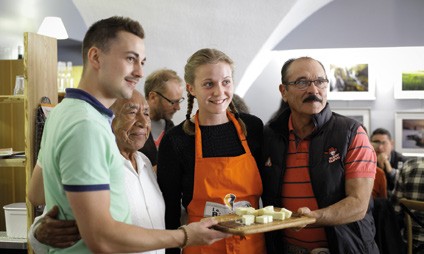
x: 303, y: 84
x: 378, y: 143
x: 172, y: 102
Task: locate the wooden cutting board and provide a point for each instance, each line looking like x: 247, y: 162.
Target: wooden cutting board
x: 231, y: 223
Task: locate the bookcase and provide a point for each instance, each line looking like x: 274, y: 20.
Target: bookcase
x: 18, y: 113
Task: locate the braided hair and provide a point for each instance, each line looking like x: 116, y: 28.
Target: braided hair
x: 188, y: 125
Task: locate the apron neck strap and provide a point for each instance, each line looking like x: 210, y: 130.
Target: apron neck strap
x: 198, y: 134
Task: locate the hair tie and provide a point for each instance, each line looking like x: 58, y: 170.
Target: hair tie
x: 188, y: 116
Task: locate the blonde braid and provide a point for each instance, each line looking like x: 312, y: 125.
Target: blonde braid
x: 233, y: 109
x: 188, y: 126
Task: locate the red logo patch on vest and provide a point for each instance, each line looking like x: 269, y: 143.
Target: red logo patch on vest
x: 333, y: 155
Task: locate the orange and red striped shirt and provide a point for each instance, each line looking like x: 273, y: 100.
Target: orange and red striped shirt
x: 297, y: 189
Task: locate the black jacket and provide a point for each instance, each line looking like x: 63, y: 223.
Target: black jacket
x: 333, y: 135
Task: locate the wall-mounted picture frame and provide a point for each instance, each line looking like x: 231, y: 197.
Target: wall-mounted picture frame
x: 410, y: 84
x: 361, y: 115
x: 409, y: 132
x: 350, y: 81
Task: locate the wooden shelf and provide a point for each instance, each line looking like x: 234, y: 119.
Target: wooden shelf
x: 13, y: 162
x: 12, y: 98
x: 18, y: 114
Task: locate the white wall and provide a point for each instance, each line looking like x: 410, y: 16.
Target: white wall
x: 374, y: 28
x: 360, y: 23
x: 385, y: 68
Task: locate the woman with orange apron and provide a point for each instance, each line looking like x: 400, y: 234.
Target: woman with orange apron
x: 214, y: 179
x: 207, y: 163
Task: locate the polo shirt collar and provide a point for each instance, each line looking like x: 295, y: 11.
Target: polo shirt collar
x: 79, y: 94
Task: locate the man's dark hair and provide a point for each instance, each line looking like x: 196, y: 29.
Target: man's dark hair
x: 381, y: 131
x: 103, y: 31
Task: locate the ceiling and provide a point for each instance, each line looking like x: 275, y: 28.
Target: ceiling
x: 244, y: 29
x: 247, y: 30
x: 251, y: 32
x: 176, y: 29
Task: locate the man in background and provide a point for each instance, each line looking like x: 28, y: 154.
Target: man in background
x: 164, y: 93
x: 410, y: 185
x: 387, y: 158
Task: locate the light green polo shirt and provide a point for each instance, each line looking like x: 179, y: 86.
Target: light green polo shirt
x: 79, y: 153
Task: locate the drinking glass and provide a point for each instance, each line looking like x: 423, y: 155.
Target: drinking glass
x: 19, y: 85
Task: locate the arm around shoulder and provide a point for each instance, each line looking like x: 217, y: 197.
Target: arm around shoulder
x: 37, y: 247
x: 36, y: 187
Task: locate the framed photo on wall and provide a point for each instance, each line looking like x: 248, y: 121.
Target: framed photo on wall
x: 409, y: 130
x: 360, y: 115
x: 410, y: 84
x: 350, y: 81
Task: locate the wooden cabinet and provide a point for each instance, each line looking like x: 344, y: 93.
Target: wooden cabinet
x: 17, y: 115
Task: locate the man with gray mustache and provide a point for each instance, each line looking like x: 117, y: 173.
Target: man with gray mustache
x: 320, y: 164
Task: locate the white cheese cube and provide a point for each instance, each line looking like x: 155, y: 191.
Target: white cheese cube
x: 269, y: 209
x: 252, y: 211
x: 248, y: 219
x: 260, y: 211
x: 270, y: 219
x: 241, y: 210
x: 287, y: 212
x: 263, y: 219
x: 279, y: 215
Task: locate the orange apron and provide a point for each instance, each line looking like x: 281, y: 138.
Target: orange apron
x: 217, y: 178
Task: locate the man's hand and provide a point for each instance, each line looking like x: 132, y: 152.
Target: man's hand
x: 200, y: 233
x: 304, y: 211
x: 56, y: 233
x: 384, y: 163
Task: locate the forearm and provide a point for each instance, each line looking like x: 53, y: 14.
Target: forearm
x: 121, y: 237
x: 384, y: 163
x: 36, y: 187
x: 103, y: 234
x: 352, y: 208
x: 345, y: 211
x: 111, y: 236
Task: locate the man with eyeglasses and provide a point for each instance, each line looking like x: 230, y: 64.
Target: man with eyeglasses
x: 387, y: 158
x: 320, y: 164
x: 163, y: 90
